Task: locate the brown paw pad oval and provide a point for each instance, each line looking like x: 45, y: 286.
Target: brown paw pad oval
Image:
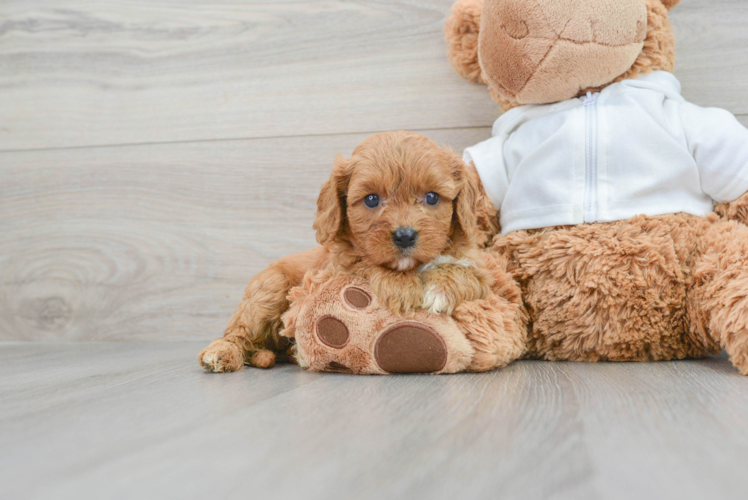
x: 332, y: 332
x: 356, y: 298
x: 410, y: 348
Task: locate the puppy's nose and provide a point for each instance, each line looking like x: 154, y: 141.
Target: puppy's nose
x: 404, y: 237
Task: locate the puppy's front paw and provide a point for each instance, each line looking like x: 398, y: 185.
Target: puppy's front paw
x: 448, y: 282
x: 438, y: 301
x: 221, y: 356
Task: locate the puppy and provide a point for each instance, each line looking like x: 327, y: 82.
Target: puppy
x: 402, y: 213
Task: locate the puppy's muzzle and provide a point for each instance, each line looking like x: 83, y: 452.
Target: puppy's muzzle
x: 404, y: 237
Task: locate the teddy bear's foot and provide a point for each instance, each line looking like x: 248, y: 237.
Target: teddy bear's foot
x: 341, y: 327
x: 718, y: 301
x: 741, y: 362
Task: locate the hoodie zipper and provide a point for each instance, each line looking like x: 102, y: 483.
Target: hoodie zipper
x: 590, y: 160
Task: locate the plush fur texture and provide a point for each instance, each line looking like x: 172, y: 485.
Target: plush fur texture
x: 356, y: 240
x: 615, y: 291
x: 546, y: 51
x: 645, y: 289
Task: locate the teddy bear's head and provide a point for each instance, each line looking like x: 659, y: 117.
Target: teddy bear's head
x: 543, y: 51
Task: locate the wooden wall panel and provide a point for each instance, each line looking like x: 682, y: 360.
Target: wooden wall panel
x: 155, y: 241
x: 79, y: 73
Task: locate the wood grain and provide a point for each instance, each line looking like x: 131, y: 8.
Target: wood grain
x: 142, y: 420
x: 158, y: 241
x: 78, y: 73
x: 143, y: 72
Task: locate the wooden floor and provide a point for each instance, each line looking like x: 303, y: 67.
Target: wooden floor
x: 142, y: 420
x: 155, y: 154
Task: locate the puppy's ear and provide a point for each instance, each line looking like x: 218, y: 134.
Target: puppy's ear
x: 669, y: 4
x: 330, y: 220
x: 475, y: 219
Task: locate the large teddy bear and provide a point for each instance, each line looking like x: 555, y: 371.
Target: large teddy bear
x: 622, y: 207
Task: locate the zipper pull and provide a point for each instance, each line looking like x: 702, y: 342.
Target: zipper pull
x: 590, y: 99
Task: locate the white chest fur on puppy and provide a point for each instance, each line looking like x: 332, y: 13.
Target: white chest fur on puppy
x: 636, y: 148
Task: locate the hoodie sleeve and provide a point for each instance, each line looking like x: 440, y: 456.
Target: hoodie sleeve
x: 719, y: 144
x: 488, y: 159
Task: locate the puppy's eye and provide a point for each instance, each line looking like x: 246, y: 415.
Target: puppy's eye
x: 371, y: 201
x: 432, y: 198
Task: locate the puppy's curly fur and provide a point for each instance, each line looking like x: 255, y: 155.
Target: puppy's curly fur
x: 439, y: 272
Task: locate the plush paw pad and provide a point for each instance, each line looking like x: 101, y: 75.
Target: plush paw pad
x: 410, y: 348
x: 332, y: 332
x: 356, y: 298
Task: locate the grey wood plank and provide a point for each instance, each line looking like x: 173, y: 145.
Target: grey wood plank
x: 141, y: 420
x: 78, y: 73
x: 154, y: 242
x: 712, y: 53
x: 81, y: 73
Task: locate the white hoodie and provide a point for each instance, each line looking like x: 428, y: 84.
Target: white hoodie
x: 635, y: 148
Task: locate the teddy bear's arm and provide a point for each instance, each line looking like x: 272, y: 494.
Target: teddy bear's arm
x: 718, y: 143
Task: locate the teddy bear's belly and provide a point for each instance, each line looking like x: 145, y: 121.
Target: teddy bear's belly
x: 610, y: 291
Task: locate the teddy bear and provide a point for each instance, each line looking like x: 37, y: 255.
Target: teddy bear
x: 622, y: 206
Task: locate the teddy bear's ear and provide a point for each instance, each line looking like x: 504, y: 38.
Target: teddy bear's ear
x: 461, y: 31
x: 331, y: 203
x: 670, y: 3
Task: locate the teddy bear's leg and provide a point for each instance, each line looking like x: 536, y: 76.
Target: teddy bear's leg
x: 718, y: 300
x: 496, y: 325
x: 461, y: 31
x: 496, y: 330
x: 341, y: 326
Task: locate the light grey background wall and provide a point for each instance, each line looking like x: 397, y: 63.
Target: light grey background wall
x: 155, y: 154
